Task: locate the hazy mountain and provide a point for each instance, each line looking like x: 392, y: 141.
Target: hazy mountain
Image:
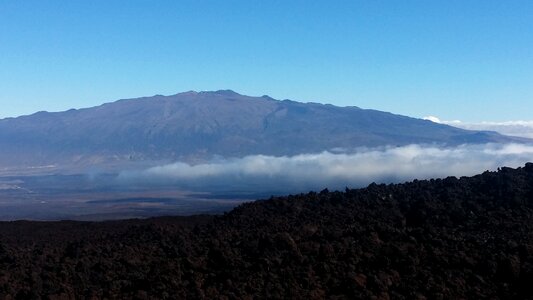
x: 193, y: 126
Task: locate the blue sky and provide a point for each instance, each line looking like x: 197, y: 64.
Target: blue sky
x: 467, y: 60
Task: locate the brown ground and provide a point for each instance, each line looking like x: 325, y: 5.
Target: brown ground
x: 439, y: 239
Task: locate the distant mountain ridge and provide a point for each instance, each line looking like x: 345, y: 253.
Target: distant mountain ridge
x: 193, y: 126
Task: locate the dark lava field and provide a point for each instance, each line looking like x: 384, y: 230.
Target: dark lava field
x: 450, y: 238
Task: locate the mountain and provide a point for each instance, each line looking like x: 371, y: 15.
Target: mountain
x: 195, y: 126
x: 467, y: 238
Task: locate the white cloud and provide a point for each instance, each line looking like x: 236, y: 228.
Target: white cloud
x: 512, y: 128
x: 260, y: 173
x: 432, y: 119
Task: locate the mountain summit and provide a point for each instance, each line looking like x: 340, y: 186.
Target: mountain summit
x: 193, y: 126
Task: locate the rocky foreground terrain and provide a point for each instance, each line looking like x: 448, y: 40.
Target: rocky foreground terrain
x: 439, y: 239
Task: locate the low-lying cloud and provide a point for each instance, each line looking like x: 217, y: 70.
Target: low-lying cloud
x: 512, y: 128
x: 260, y: 173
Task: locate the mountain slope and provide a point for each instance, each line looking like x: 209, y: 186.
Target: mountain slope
x: 191, y: 126
x: 467, y: 238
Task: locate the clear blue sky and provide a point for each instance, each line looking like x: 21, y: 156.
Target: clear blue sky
x: 468, y: 60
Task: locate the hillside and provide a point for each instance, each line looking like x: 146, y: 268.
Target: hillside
x: 438, y: 239
x: 196, y: 126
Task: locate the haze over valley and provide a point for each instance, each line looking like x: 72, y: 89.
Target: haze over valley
x: 266, y: 149
x: 205, y: 152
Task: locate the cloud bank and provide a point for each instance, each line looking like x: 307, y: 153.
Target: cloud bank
x: 300, y: 173
x: 513, y: 128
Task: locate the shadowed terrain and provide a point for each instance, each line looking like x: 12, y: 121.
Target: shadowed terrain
x: 95, y: 198
x: 437, y: 239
